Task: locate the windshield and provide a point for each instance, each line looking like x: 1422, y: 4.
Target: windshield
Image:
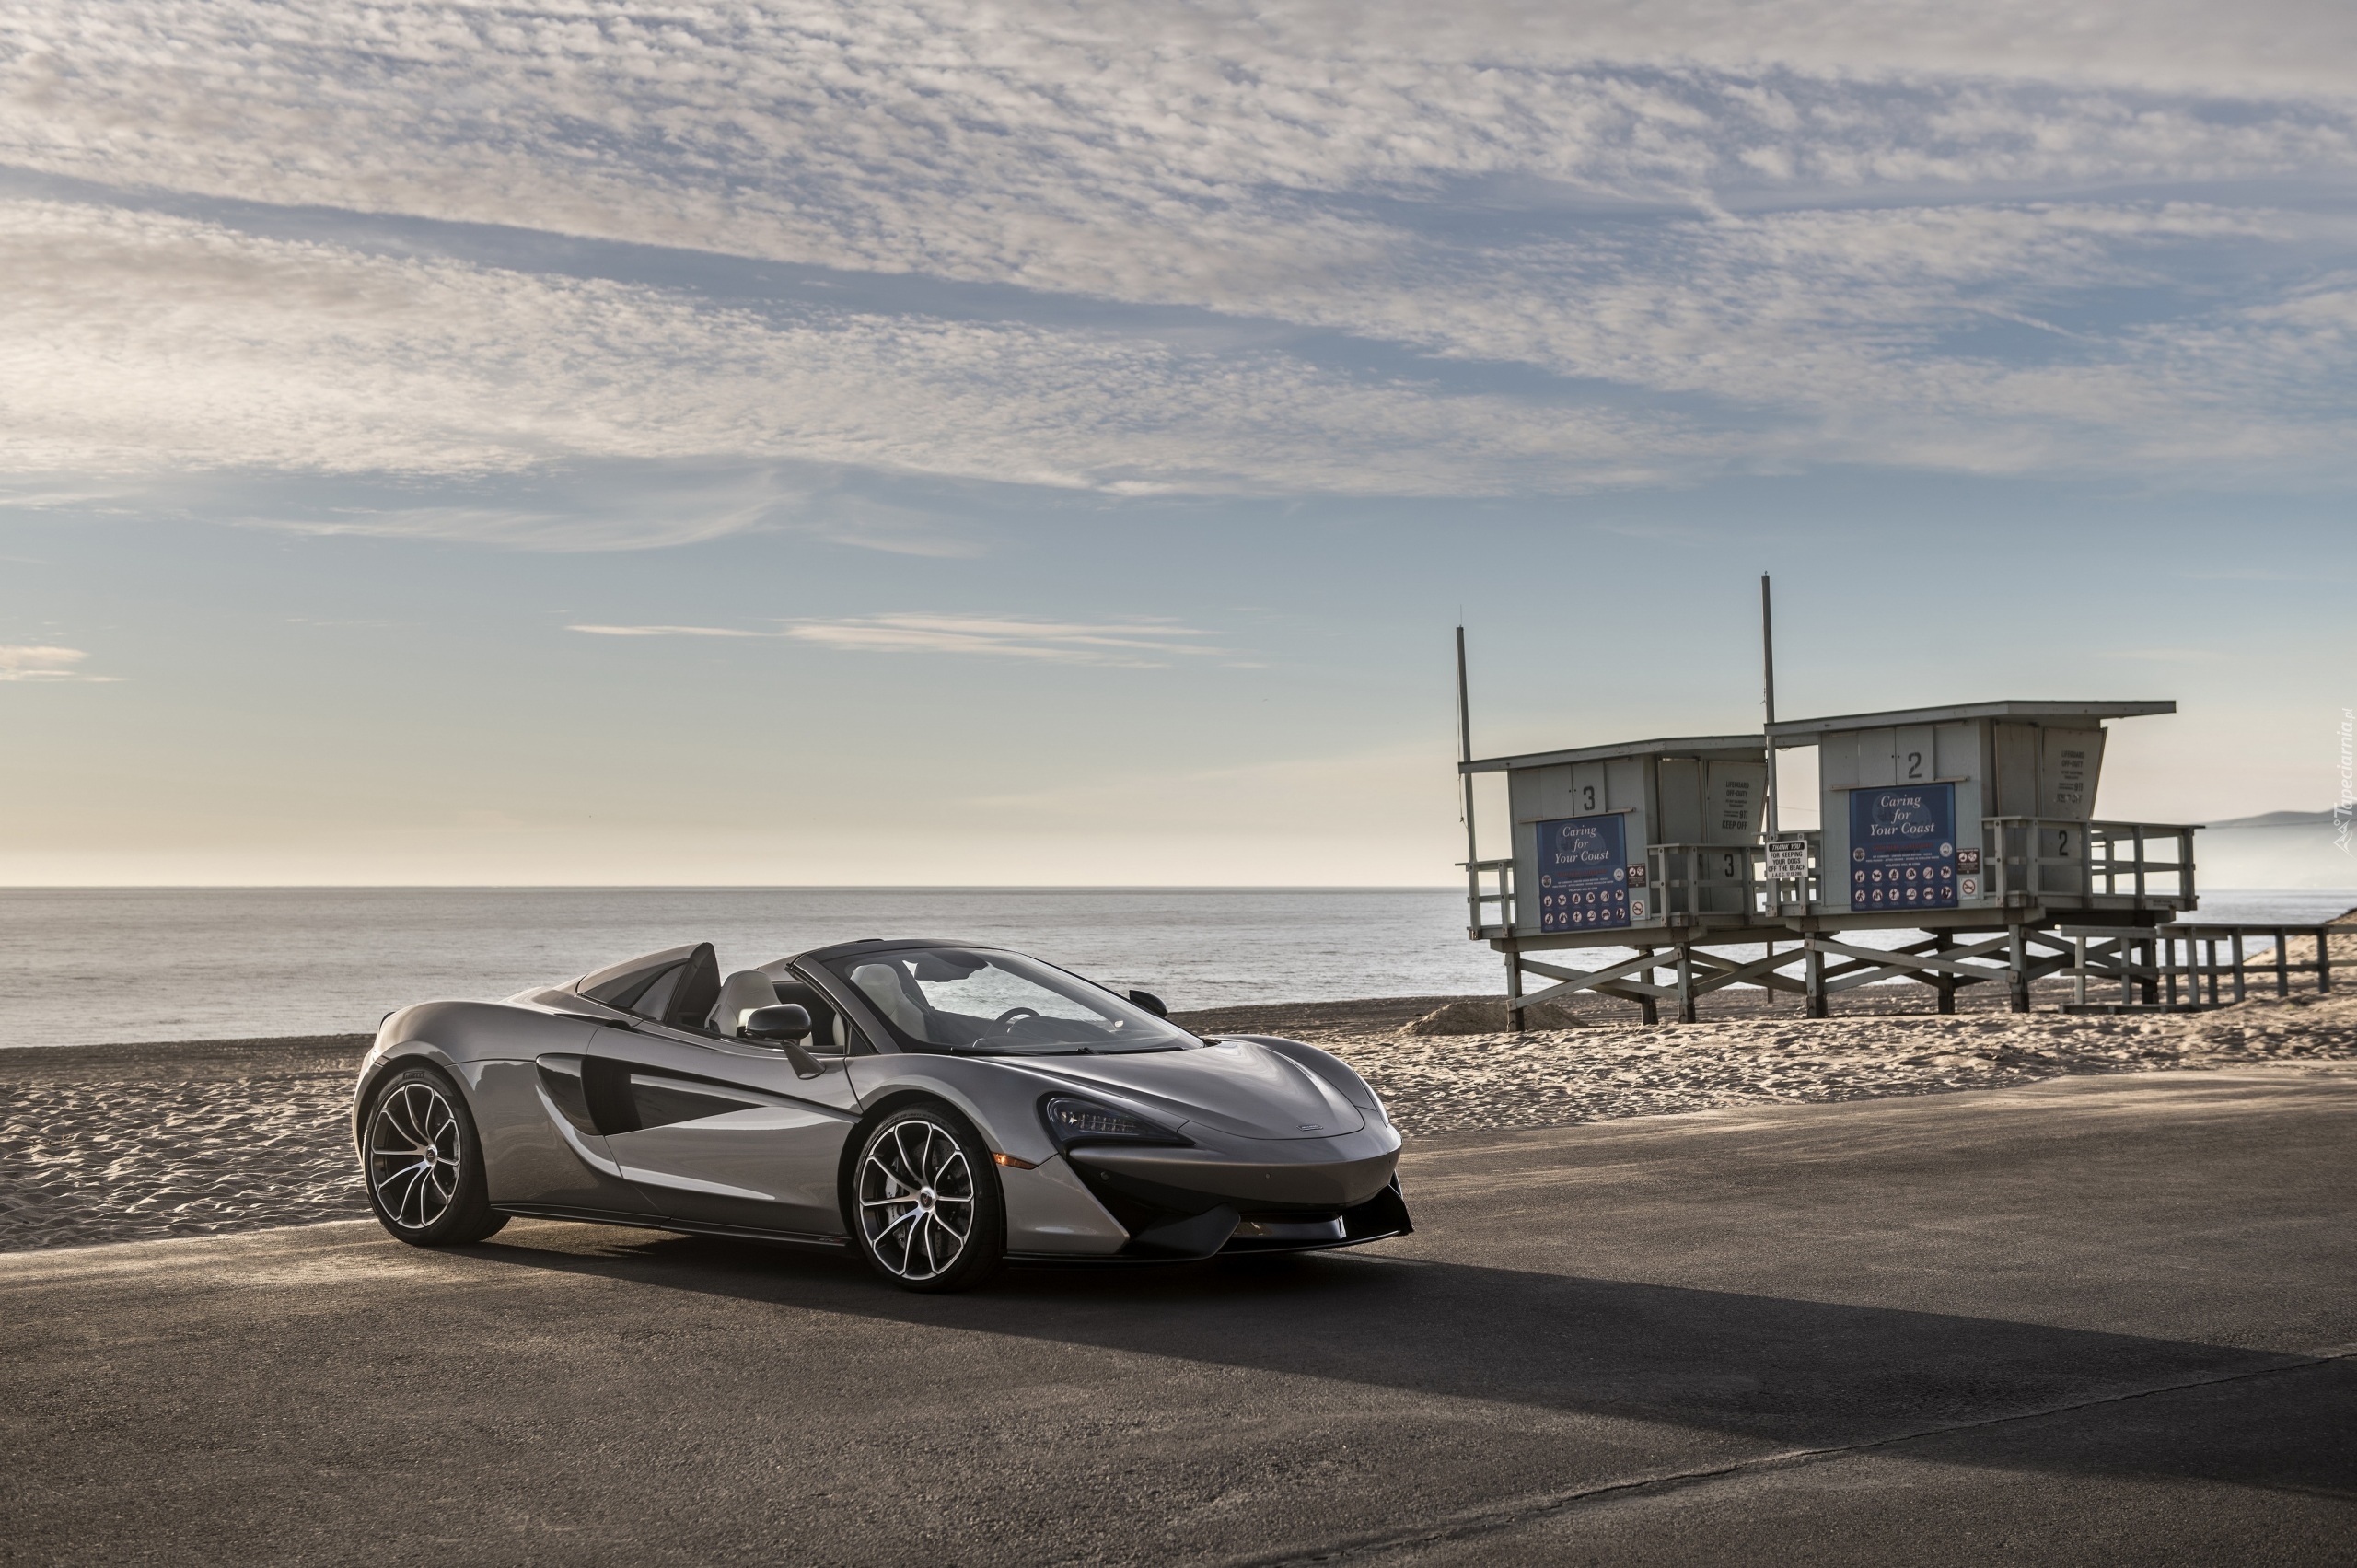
x: 971, y: 999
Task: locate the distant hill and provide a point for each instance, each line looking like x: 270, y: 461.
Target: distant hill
x: 2280, y: 819
x: 2275, y: 849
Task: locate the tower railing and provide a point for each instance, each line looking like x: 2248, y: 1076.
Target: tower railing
x: 2032, y: 858
x: 2182, y: 965
x: 2029, y: 861
x: 1497, y: 891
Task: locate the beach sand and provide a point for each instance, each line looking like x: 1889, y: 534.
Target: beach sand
x: 126, y: 1142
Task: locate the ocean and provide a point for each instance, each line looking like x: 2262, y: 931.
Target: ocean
x: 105, y: 965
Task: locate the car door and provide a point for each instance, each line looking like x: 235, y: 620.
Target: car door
x: 721, y: 1132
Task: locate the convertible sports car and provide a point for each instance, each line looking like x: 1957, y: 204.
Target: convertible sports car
x: 943, y: 1107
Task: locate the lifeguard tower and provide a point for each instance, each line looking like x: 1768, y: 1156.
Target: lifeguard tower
x: 1988, y: 806
x: 1977, y: 818
x: 1648, y: 844
x: 1974, y: 824
x: 1609, y: 836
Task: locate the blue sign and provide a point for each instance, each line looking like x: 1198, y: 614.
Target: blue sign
x: 1583, y: 872
x: 1902, y: 847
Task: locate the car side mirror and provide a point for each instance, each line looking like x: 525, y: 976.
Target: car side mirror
x: 1151, y: 1002
x: 785, y: 1025
x: 785, y: 1020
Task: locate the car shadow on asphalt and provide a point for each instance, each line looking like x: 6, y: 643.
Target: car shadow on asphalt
x: 1793, y: 1373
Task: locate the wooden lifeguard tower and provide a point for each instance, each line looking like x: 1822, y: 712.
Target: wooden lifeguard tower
x: 1975, y: 819
x: 1615, y: 844
x: 1974, y: 824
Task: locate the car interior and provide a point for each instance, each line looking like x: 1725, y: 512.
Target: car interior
x: 944, y: 997
x: 682, y: 989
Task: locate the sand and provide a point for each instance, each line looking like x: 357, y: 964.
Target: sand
x: 124, y: 1143
x: 117, y: 1143
x: 1495, y: 1082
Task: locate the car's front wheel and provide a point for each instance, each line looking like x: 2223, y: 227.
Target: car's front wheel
x: 925, y: 1207
x: 424, y: 1163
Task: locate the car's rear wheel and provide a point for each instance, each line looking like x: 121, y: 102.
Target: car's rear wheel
x: 424, y: 1163
x: 927, y: 1211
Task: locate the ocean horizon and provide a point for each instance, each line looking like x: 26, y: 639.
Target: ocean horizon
x: 118, y: 965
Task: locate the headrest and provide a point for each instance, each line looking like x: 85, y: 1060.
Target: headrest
x: 881, y: 984
x: 739, y: 994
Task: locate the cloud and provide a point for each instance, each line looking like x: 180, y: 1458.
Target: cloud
x: 1143, y: 644
x: 1146, y: 645
x: 145, y: 342
x: 20, y: 661
x: 580, y: 504
x: 1179, y: 151
x: 1204, y: 249
x: 139, y: 342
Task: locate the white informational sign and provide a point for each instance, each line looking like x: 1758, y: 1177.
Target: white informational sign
x: 1787, y: 859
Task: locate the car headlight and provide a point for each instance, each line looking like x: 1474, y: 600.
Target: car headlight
x: 1071, y: 1120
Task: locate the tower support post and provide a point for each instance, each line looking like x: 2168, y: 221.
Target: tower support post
x: 1513, y: 986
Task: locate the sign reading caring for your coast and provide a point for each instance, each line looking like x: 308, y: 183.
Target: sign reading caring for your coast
x: 1902, y: 847
x: 1583, y: 872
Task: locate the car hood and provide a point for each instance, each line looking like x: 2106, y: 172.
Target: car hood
x: 1236, y: 1086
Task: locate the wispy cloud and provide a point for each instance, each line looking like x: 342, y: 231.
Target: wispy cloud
x: 24, y: 661
x: 1135, y: 645
x: 1206, y: 249
x: 158, y: 341
x: 1126, y: 643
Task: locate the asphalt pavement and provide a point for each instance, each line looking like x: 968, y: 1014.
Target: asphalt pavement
x: 2098, y: 1319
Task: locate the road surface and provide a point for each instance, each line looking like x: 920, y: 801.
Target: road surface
x: 2098, y: 1319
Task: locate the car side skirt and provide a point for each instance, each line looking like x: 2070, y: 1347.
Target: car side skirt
x: 805, y: 1238
x: 663, y: 1222
x: 1236, y: 1249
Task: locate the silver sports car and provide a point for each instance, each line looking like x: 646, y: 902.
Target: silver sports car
x: 943, y: 1107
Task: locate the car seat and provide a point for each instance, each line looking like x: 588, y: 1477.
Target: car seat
x: 881, y: 984
x: 739, y: 994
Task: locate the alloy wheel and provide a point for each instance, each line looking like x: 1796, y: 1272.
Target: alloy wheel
x: 414, y: 1154
x: 916, y: 1200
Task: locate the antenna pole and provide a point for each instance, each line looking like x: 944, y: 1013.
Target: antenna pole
x: 1767, y: 689
x: 1465, y: 754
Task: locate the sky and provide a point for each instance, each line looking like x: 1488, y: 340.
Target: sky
x: 1052, y: 442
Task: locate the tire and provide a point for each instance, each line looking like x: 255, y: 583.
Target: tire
x: 925, y: 1209
x: 423, y: 1162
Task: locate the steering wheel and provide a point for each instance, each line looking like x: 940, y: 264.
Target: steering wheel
x: 1014, y: 1013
